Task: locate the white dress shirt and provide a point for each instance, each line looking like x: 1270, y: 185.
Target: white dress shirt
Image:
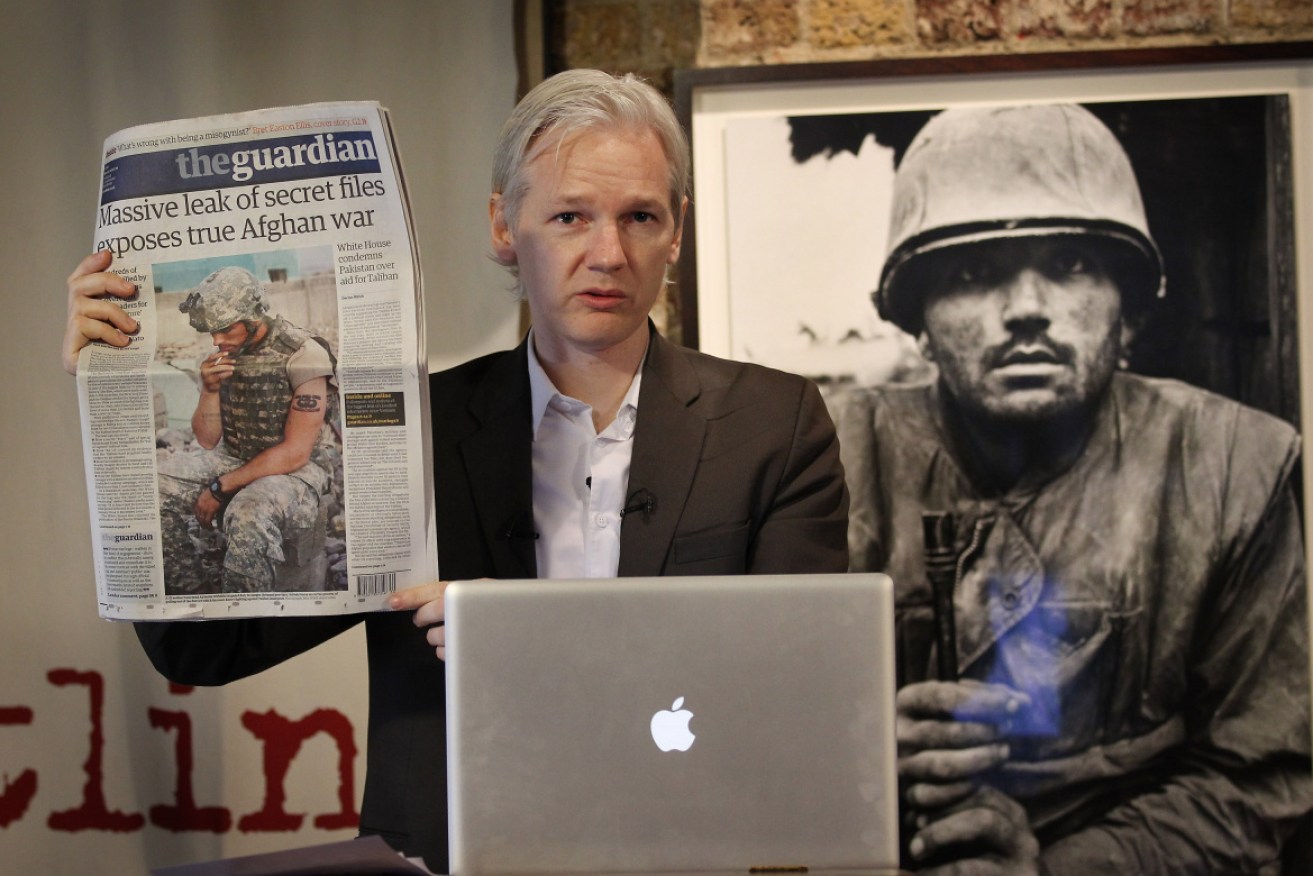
x: 579, y: 479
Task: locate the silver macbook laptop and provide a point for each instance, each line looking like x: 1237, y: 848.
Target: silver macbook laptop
x: 671, y: 724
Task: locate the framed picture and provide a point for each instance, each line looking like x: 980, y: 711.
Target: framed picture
x: 793, y: 169
x: 1064, y: 527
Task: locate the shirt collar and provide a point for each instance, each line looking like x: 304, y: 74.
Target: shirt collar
x: 542, y: 392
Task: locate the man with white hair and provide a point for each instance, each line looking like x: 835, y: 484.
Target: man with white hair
x: 595, y: 448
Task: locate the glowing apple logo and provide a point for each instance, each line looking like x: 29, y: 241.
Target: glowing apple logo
x: 670, y: 728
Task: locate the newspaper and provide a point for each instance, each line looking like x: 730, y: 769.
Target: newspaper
x: 281, y: 345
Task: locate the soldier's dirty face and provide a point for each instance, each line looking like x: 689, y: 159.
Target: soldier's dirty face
x: 1023, y: 328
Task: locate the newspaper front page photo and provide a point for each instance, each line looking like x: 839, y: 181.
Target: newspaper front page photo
x: 260, y: 448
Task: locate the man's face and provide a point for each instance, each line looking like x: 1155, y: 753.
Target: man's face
x: 1023, y: 329
x: 231, y: 339
x: 592, y: 240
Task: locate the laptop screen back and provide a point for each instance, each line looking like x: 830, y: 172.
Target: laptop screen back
x: 671, y: 724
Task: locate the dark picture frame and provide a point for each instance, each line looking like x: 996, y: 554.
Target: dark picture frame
x: 1243, y: 346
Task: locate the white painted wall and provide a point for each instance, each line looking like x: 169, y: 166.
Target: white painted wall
x: 71, y: 72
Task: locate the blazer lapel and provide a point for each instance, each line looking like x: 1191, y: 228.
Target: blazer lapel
x: 498, y: 457
x: 668, y: 441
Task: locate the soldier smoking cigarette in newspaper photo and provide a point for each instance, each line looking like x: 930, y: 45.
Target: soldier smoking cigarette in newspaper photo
x: 248, y: 508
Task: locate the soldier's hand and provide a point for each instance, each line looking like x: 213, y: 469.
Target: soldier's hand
x: 207, y: 509
x: 950, y: 734
x: 215, y: 369
x: 92, y: 315
x: 426, y: 601
x: 986, y: 834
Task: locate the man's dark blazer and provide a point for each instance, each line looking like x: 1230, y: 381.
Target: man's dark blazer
x: 735, y: 469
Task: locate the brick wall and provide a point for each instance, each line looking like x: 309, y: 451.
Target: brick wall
x: 651, y: 38
x: 655, y: 37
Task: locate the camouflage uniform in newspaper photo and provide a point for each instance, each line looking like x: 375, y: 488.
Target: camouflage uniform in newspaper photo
x: 264, y: 527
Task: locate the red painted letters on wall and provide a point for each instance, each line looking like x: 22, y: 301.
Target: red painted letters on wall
x: 281, y: 739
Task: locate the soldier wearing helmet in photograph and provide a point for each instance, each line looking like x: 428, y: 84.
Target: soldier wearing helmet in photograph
x: 264, y: 417
x: 1129, y: 692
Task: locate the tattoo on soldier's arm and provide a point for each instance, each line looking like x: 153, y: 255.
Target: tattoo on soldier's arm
x: 308, y: 403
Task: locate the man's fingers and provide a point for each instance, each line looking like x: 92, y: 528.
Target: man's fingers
x: 103, y: 322
x: 91, y: 317
x: 931, y: 797
x: 914, y: 736
x: 960, y: 700
x: 437, y: 637
x: 989, y: 828
x: 973, y: 826
x: 425, y: 600
x: 941, y: 766
x: 90, y: 279
x: 92, y: 264
x: 203, y: 515
x: 219, y: 370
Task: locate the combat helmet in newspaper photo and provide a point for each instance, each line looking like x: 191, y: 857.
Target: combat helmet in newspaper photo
x: 224, y: 298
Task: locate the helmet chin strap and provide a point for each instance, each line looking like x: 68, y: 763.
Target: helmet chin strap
x: 252, y: 329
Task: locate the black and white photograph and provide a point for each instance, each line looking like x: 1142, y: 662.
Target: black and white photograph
x: 809, y: 195
x: 1059, y: 341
